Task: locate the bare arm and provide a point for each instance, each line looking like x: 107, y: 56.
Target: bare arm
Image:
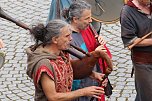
x: 51, y: 94
x: 145, y: 42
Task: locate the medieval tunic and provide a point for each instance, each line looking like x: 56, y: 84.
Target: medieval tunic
x: 86, y: 41
x: 58, y: 68
x: 77, y: 84
x: 135, y: 24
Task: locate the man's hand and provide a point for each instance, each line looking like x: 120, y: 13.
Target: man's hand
x: 93, y: 91
x: 100, y: 39
x: 99, y: 77
x: 101, y: 48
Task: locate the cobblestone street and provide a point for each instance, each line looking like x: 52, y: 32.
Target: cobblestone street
x: 15, y: 84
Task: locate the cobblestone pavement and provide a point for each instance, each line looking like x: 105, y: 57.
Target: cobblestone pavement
x: 15, y: 84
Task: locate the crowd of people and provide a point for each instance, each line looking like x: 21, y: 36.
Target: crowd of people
x: 53, y: 70
x: 56, y: 73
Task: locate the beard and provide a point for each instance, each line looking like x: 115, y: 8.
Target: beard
x: 84, y: 27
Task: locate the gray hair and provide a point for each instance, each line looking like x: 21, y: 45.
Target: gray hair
x: 54, y: 27
x: 76, y: 9
x: 44, y: 34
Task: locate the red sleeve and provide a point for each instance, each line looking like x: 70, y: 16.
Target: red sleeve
x: 43, y: 69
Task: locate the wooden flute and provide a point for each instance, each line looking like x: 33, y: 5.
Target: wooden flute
x: 24, y: 26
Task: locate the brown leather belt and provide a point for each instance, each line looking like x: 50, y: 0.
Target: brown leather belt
x: 142, y: 57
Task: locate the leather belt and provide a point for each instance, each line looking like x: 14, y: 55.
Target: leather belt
x: 142, y: 57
